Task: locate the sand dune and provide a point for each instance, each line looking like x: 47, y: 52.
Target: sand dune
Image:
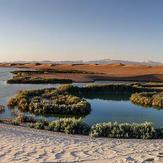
x: 18, y: 144
x: 129, y: 72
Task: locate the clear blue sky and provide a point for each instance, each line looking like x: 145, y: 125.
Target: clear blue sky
x: 81, y: 29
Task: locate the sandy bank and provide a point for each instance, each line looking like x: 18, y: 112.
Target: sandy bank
x: 18, y: 144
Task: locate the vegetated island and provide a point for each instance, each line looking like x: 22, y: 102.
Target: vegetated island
x: 152, y: 99
x: 50, y: 101
x: 66, y: 99
x: 66, y: 96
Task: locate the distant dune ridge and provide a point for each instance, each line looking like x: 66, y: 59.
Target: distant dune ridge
x: 102, y: 61
x: 122, y: 71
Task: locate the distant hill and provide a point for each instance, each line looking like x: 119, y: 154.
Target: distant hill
x: 110, y: 61
x: 102, y: 61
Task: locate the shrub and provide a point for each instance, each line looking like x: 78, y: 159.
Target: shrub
x: 115, y: 130
x: 50, y: 101
x: 21, y: 118
x: 2, y: 108
x: 148, y: 99
x: 12, y: 102
x: 39, y: 125
x: 69, y: 126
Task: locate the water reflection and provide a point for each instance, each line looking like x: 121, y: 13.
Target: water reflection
x: 104, y: 107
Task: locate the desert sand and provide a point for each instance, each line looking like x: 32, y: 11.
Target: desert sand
x: 19, y: 144
x: 128, y: 72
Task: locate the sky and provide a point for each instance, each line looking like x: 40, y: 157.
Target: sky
x: 81, y: 30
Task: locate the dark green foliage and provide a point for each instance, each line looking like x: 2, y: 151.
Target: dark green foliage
x: 115, y: 130
x: 61, y: 104
x: 109, y: 130
x: 25, y: 77
x: 69, y: 126
x: 21, y: 118
x: 50, y: 101
x: 46, y: 71
x: 40, y: 125
x: 30, y: 80
x: 148, y: 99
x: 2, y: 109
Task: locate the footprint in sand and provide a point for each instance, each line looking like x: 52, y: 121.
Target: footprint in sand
x: 160, y: 155
x: 130, y: 159
x: 148, y: 160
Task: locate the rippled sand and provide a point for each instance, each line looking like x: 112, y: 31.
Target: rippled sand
x: 18, y: 144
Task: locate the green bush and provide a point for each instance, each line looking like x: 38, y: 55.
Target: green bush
x: 148, y: 99
x: 21, y: 118
x: 40, y: 125
x: 2, y: 108
x: 50, y: 101
x: 115, y: 130
x: 12, y: 102
x: 69, y: 126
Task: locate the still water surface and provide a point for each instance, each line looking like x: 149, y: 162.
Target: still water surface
x: 104, y: 107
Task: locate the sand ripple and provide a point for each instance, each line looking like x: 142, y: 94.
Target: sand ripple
x: 18, y: 144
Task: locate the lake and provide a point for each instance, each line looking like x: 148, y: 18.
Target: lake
x: 104, y: 107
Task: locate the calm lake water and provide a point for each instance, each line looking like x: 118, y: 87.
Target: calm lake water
x: 104, y: 107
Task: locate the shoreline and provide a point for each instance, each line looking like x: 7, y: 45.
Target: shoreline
x: 44, y: 146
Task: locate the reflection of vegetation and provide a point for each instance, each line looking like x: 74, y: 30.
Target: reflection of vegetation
x: 148, y: 99
x: 115, y: 130
x: 2, y: 109
x: 21, y: 118
x: 116, y: 89
x: 34, y: 80
x: 46, y: 71
x: 113, y: 97
x: 67, y: 99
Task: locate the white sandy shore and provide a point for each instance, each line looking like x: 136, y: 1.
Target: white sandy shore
x: 18, y: 144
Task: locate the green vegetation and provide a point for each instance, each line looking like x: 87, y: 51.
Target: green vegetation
x: 32, y: 80
x: 69, y: 126
x: 148, y: 99
x: 2, y: 109
x: 27, y: 76
x: 104, y: 89
x: 67, y: 99
x: 115, y: 130
x: 50, y: 101
x: 46, y: 71
x: 21, y: 118
x: 109, y: 130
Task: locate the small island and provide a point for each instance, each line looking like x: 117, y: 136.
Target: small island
x: 152, y: 99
